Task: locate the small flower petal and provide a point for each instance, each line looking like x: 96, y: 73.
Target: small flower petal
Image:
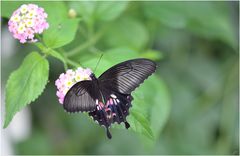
x: 68, y: 79
x: 27, y: 21
x: 24, y: 8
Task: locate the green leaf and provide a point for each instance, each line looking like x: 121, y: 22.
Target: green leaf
x: 102, y: 11
x: 25, y: 84
x: 214, y: 22
x: 152, y: 54
x: 153, y: 101
x: 107, y: 11
x: 127, y: 32
x: 84, y: 8
x: 161, y: 105
x: 9, y: 7
x: 57, y: 11
x: 140, y: 124
x: 61, y: 33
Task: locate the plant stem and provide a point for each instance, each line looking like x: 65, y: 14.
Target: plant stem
x: 87, y: 44
x: 82, y: 31
x: 90, y: 26
x: 62, y: 51
x: 40, y: 46
x: 95, y: 50
x: 72, y: 63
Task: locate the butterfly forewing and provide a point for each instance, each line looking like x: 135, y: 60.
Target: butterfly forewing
x: 80, y: 97
x: 127, y: 76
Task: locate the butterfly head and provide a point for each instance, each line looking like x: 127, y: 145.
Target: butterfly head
x: 93, y: 77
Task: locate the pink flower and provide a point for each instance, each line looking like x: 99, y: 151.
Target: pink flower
x: 68, y: 79
x: 27, y: 21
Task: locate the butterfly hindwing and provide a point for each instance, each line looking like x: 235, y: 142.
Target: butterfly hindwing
x: 80, y: 97
x: 126, y: 76
x: 115, y: 109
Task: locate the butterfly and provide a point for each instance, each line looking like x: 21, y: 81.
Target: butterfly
x: 108, y: 98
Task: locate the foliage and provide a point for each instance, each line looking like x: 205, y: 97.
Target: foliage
x: 187, y: 107
x: 25, y: 84
x: 62, y: 31
x: 53, y: 37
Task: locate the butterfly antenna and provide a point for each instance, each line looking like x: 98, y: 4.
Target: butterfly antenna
x: 98, y: 62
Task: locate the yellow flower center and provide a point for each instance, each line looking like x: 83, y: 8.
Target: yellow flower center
x: 69, y: 83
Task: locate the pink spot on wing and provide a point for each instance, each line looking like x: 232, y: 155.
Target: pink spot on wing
x: 107, y: 109
x: 111, y: 101
x: 101, y: 104
x: 107, y: 103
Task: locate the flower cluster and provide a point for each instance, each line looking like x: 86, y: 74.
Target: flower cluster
x: 27, y: 21
x: 68, y: 79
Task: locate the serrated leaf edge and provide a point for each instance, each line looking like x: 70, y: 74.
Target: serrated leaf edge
x: 10, y: 77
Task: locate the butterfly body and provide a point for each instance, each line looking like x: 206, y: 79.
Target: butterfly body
x: 108, y: 98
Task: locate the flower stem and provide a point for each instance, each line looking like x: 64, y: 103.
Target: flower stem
x: 40, y: 46
x: 87, y: 44
x: 72, y: 63
x: 62, y: 51
x: 90, y: 25
x: 82, y: 31
x: 49, y: 51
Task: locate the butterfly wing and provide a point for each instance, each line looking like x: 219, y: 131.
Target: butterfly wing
x: 116, y: 85
x: 126, y: 76
x: 112, y: 92
x: 81, y: 97
x: 115, y: 109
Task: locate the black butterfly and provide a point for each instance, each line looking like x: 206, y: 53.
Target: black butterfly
x: 108, y: 98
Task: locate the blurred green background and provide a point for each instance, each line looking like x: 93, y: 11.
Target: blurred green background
x: 190, y: 106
